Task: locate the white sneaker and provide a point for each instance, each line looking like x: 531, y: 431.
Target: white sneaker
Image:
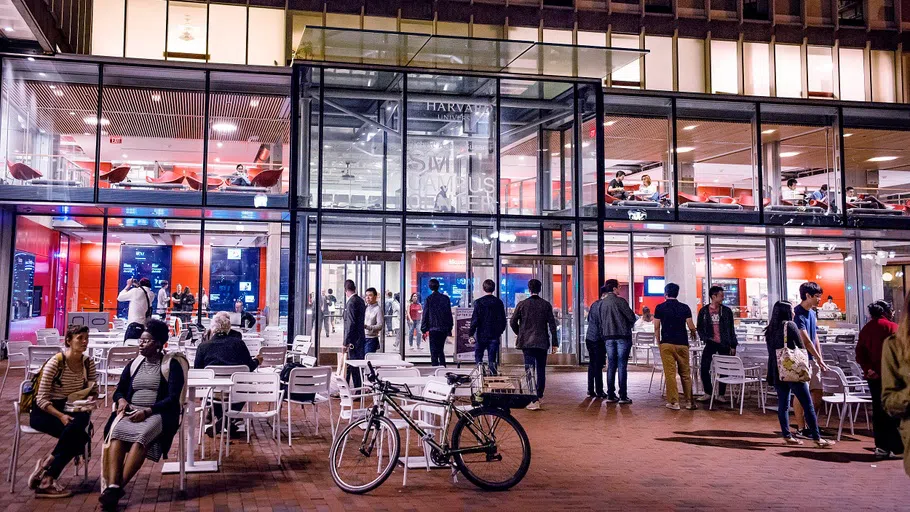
x: 704, y: 398
x: 533, y: 406
x: 674, y: 407
x: 824, y: 443
x: 721, y: 400
x: 792, y: 440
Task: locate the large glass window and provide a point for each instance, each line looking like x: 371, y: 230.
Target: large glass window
x: 659, y: 63
x: 716, y: 160
x: 691, y: 56
x: 829, y: 263
x: 187, y: 29
x: 48, y: 130
x: 757, y: 69
x: 537, y: 148
x: 266, y: 39
x: 820, y: 64
x: 660, y: 259
x: 226, y: 22
x: 628, y: 76
x: 152, y: 135
x: 451, y: 144
x: 145, y: 28
x: 789, y: 71
x: 724, y: 67
x: 852, y: 74
x: 883, y: 84
x: 739, y: 265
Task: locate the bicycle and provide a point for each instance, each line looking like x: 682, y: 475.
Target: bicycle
x: 487, y: 444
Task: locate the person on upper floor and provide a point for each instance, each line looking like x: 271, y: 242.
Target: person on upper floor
x: 616, y: 188
x: 820, y: 195
x: 790, y: 194
x: 869, y: 350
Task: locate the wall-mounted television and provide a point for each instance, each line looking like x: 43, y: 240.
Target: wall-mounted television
x: 654, y: 286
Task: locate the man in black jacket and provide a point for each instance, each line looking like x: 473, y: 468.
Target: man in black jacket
x: 437, y: 323
x: 355, y: 310
x: 597, y: 351
x: 715, y: 329
x: 535, y: 328
x: 488, y: 322
x: 616, y: 321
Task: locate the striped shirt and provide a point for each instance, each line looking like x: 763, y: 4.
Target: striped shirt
x: 69, y: 382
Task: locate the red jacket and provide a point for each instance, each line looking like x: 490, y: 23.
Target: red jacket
x: 871, y: 340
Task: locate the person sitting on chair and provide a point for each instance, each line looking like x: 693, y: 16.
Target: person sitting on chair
x: 240, y: 178
x: 616, y: 187
x: 147, y: 417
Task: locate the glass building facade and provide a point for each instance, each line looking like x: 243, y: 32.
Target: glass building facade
x: 269, y: 187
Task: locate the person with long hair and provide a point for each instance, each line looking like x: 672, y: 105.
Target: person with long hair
x: 781, y: 332
x: 896, y: 379
x: 872, y: 338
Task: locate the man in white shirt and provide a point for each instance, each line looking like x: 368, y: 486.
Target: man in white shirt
x: 141, y: 299
x: 830, y: 305
x: 791, y: 194
x: 164, y: 299
x: 372, y: 321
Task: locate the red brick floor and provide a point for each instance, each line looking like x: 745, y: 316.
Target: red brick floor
x: 586, y: 456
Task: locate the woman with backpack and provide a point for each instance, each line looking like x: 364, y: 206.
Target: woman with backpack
x: 148, y: 398
x: 66, y: 377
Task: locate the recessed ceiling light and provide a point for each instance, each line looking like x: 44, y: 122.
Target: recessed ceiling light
x: 768, y: 132
x: 31, y: 59
x: 716, y: 181
x: 224, y: 127
x: 254, y: 102
x: 9, y: 29
x: 585, y: 144
x: 786, y: 154
x: 685, y: 149
x: 156, y: 97
x: 569, y: 145
x: 609, y: 123
x: 42, y: 74
x: 217, y: 160
x: 220, y: 144
x: 124, y: 155
x: 58, y: 92
x: 86, y: 133
x: 690, y: 127
x: 848, y: 135
x: 882, y: 159
x: 93, y: 120
x: 72, y: 113
x: 52, y: 86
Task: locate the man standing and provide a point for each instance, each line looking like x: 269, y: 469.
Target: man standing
x: 164, y: 300
x: 140, y: 296
x: 532, y: 321
x: 331, y: 300
x: 437, y: 323
x: 810, y: 295
x: 715, y: 329
x: 354, y: 339
x: 372, y: 322
x: 488, y: 322
x: 616, y: 322
x: 671, y: 318
x: 596, y: 351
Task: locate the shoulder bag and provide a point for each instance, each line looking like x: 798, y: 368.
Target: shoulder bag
x: 792, y: 362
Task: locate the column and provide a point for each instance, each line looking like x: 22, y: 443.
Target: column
x: 7, y: 220
x: 679, y: 267
x: 273, y: 272
x: 777, y: 274
x: 773, y: 179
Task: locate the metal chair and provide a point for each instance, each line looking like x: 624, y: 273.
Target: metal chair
x: 838, y: 395
x: 657, y: 366
x: 37, y: 355
x: 310, y: 381
x: 118, y: 358
x: 17, y: 359
x: 730, y: 370
x: 249, y: 388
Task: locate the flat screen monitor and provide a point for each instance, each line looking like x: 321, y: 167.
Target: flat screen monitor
x: 138, y: 261
x: 654, y: 286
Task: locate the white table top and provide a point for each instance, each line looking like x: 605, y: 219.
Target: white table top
x: 379, y: 363
x: 414, y: 382
x: 210, y: 383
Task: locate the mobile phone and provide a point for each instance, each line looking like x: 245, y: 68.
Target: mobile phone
x: 129, y: 412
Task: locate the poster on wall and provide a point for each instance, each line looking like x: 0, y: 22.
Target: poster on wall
x: 23, y: 285
x: 234, y: 275
x: 464, y: 344
x: 138, y: 261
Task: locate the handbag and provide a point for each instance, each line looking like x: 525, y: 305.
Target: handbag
x: 792, y: 363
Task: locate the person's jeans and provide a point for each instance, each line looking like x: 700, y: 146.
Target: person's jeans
x: 536, y: 359
x: 675, y: 359
x: 618, y: 359
x: 71, y: 439
x: 371, y: 345
x: 414, y: 332
x: 801, y: 391
x: 596, y: 361
x: 437, y: 348
x: 712, y: 348
x: 884, y: 427
x: 491, y: 347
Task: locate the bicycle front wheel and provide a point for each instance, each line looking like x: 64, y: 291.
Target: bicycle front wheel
x: 506, y: 454
x: 364, y: 454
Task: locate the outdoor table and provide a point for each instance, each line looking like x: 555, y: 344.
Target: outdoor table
x: 189, y: 464
x: 361, y: 364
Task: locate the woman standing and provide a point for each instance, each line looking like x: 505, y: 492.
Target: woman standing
x: 70, y: 374
x: 415, y: 311
x: 781, y: 332
x: 869, y: 356
x: 896, y: 379
x: 148, y: 400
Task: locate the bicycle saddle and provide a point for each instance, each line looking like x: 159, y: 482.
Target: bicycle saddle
x: 455, y: 379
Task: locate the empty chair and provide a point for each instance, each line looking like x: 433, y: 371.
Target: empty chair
x: 838, y: 395
x: 37, y: 355
x: 642, y: 342
x: 845, y: 338
x: 205, y: 404
x: 385, y: 356
x: 347, y: 395
x: 301, y: 346
x: 17, y: 359
x: 273, y: 357
x: 250, y: 388
x: 729, y: 370
x: 385, y: 373
x: 656, y: 367
x: 309, y: 386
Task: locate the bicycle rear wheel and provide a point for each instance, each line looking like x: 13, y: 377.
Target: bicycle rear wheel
x: 507, y: 456
x: 364, y: 454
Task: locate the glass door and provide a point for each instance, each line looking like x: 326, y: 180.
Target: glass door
x: 373, y: 272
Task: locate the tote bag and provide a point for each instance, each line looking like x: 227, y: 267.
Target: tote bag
x: 792, y: 362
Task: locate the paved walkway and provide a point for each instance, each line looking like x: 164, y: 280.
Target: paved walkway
x: 586, y: 456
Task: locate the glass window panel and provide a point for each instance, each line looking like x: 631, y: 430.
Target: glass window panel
x: 691, y: 53
x: 299, y: 22
x: 821, y: 72
x: 186, y: 31
x: 592, y: 38
x: 487, y: 31
x: 829, y: 263
x: 267, y: 48
x: 883, y: 264
x: 108, y: 29
x: 630, y: 74
x: 659, y: 63
x: 523, y: 33
x: 715, y: 148
x: 661, y: 259
x: 445, y: 28
x: 417, y: 26
x: 310, y: 99
x: 379, y: 23
x: 724, y: 66
x: 537, y: 148
x: 142, y: 130
x: 883, y: 76
x: 358, y: 233
x: 226, y: 22
x: 557, y: 36
x: 451, y: 139
x: 249, y: 161
x: 757, y: 69
x: 789, y: 71
x: 739, y: 265
x: 587, y: 107
x: 47, y: 135
x: 145, y: 28
x: 852, y: 71
x: 335, y: 20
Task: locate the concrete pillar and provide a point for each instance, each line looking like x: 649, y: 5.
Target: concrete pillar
x: 777, y: 275
x: 273, y: 272
x: 679, y: 268
x: 773, y: 178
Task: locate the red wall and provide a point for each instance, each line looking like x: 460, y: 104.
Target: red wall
x: 44, y: 244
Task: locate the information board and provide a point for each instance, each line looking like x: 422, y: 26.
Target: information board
x: 23, y: 285
x: 234, y: 275
x: 463, y: 342
x: 731, y: 290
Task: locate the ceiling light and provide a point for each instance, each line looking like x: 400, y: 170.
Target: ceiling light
x: 685, y: 149
x: 58, y: 92
x: 52, y: 86
x: 124, y: 156
x: 254, y: 102
x: 8, y: 29
x: 156, y: 97
x: 848, y: 135
x: 768, y: 132
x: 224, y: 127
x: 887, y: 277
x: 569, y: 145
x: 220, y: 144
x: 786, y: 154
x: 31, y: 59
x: 217, y: 160
x: 882, y: 159
x: 690, y: 127
x: 42, y: 74
x: 609, y: 123
x: 93, y: 120
x: 86, y: 133
x: 72, y: 113
x: 585, y: 144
